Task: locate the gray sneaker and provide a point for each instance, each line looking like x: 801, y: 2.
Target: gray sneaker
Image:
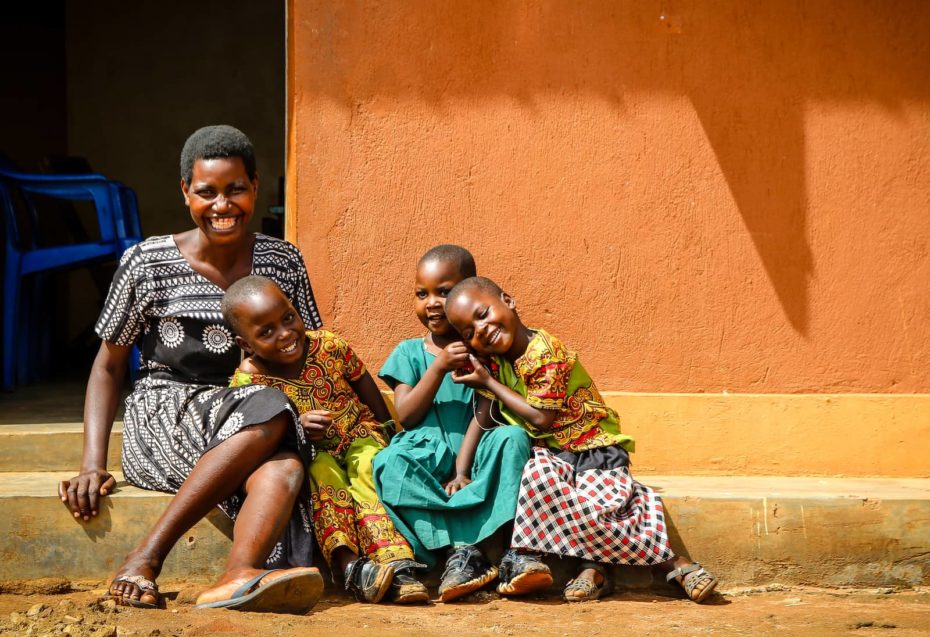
x: 523, y: 573
x: 368, y: 581
x: 467, y: 570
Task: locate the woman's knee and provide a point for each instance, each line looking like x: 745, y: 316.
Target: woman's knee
x: 284, y: 468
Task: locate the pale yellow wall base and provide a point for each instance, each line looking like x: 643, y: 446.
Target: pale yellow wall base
x: 880, y: 435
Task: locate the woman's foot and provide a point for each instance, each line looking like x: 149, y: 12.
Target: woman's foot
x: 588, y: 585
x: 368, y: 581
x: 523, y: 573
x: 405, y: 587
x: 293, y: 590
x: 467, y: 570
x: 230, y: 581
x: 697, y: 582
x: 134, y: 583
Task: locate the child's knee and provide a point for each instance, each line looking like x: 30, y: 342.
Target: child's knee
x: 513, y: 437
x: 324, y: 469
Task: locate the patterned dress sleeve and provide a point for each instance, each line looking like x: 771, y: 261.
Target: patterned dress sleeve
x: 122, y: 320
x: 399, y: 369
x: 351, y: 365
x: 546, y: 372
x: 302, y: 293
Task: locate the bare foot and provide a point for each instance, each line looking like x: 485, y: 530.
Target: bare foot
x: 135, y: 581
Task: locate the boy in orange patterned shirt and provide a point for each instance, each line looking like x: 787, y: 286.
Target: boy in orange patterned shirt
x: 342, y: 411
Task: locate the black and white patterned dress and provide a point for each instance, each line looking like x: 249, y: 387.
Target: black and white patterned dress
x: 181, y: 406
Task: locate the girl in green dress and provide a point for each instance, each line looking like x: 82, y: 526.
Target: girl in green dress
x: 432, y: 504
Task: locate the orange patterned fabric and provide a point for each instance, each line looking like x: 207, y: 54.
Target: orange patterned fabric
x: 550, y: 376
x: 346, y: 509
x: 324, y: 383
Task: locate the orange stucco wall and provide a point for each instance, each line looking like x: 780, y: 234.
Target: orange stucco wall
x: 697, y: 196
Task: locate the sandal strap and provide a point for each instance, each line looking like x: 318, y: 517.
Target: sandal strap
x: 682, y: 571
x: 144, y: 583
x: 250, y: 584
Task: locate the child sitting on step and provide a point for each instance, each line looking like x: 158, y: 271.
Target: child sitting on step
x: 577, y: 497
x: 341, y: 410
x: 436, y: 507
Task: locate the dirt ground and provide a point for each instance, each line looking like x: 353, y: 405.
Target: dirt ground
x: 54, y: 607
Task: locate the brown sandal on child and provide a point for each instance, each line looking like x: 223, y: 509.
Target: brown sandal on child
x: 697, y: 582
x: 586, y: 590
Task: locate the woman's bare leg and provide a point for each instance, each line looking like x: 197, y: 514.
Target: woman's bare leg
x: 271, y: 491
x: 217, y: 475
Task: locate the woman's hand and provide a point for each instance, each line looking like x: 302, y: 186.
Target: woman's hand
x: 457, y: 483
x: 81, y: 494
x: 315, y: 422
x: 453, y: 356
x: 477, y: 377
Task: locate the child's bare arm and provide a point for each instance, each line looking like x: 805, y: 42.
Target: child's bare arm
x: 368, y: 393
x: 466, y: 456
x: 412, y: 403
x: 539, y: 419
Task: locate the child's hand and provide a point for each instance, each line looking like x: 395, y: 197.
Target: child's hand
x: 457, y: 483
x: 453, y: 356
x: 315, y: 422
x: 476, y: 377
x: 81, y: 494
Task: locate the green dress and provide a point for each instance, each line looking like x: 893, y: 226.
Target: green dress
x: 411, y: 472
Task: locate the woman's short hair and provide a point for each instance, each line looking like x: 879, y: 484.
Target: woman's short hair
x: 215, y: 142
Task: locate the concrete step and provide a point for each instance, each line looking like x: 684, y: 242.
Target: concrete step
x: 748, y: 530
x: 694, y: 434
x: 51, y: 447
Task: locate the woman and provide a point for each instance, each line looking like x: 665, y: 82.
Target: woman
x: 185, y: 431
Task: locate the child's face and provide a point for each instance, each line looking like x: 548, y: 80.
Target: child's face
x: 271, y: 328
x: 434, y: 280
x: 487, y: 322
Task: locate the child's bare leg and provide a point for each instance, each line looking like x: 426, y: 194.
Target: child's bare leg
x: 342, y: 557
x: 216, y: 476
x: 261, y: 521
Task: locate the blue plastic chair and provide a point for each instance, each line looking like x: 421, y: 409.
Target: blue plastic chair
x: 118, y: 221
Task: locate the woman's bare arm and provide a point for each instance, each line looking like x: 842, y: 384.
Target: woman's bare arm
x: 81, y: 493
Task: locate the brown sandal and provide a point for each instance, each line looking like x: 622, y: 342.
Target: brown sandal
x: 697, y: 582
x: 588, y: 589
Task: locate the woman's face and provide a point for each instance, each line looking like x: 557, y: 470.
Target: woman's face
x: 221, y: 198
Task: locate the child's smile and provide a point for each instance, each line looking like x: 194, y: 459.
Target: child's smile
x: 435, y: 278
x: 272, y: 330
x: 488, y: 323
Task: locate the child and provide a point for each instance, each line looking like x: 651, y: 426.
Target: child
x: 342, y: 410
x: 433, y: 505
x: 576, y: 495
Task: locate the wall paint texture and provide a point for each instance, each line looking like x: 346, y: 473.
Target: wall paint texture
x: 699, y: 197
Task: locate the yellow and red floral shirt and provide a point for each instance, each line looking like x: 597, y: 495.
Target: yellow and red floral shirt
x: 550, y: 376
x: 324, y: 383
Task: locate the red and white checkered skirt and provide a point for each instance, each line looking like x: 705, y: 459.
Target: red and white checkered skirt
x: 602, y: 515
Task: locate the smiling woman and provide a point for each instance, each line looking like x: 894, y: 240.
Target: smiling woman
x: 185, y: 431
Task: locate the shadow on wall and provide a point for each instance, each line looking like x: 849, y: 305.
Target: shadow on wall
x: 749, y: 69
